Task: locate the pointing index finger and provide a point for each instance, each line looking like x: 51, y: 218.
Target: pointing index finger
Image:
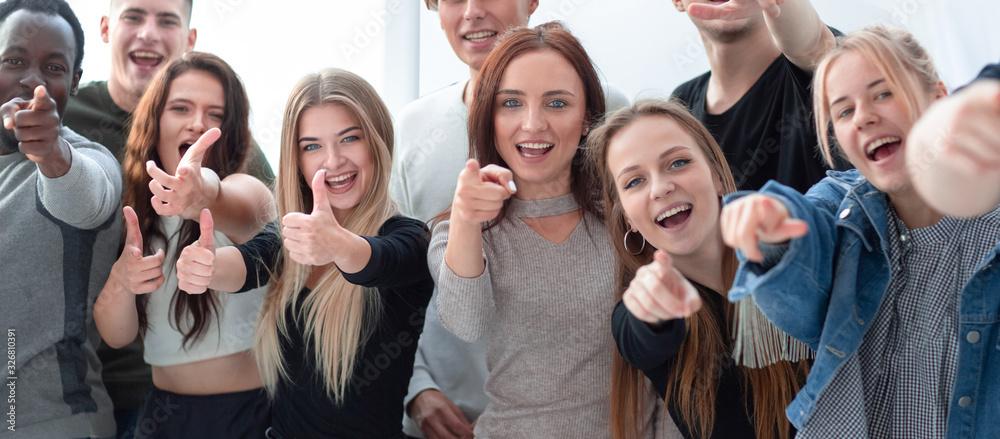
x: 196, y: 153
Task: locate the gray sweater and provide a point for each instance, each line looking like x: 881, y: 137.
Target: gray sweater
x: 545, y: 312
x: 58, y: 240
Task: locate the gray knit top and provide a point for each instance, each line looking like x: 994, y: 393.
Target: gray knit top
x: 545, y: 312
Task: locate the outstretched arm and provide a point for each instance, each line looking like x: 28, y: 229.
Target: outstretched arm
x: 794, y: 24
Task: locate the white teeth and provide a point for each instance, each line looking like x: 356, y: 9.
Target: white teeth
x: 673, y: 212
x: 140, y: 54
x: 882, y: 141
x: 535, y: 145
x: 479, y: 37
x: 341, y: 178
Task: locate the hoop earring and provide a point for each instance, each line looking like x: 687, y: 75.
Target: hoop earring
x: 625, y: 241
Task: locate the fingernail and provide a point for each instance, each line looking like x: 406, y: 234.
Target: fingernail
x: 512, y: 186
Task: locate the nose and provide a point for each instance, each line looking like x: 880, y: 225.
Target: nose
x: 334, y: 158
x: 198, y: 123
x: 148, y: 32
x: 534, y: 120
x: 474, y: 10
x: 864, y: 115
x: 660, y: 187
x: 32, y: 79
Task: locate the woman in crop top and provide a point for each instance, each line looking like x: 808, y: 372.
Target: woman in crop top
x: 187, y: 145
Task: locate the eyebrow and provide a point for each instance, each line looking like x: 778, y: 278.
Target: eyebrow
x: 873, y: 84
x: 159, y: 14
x: 662, y: 156
x: 190, y: 102
x: 548, y: 93
x: 315, y: 139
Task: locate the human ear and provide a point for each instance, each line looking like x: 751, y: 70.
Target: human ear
x: 105, y: 28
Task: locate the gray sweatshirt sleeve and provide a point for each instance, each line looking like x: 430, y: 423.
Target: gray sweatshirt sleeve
x: 465, y: 306
x: 90, y: 191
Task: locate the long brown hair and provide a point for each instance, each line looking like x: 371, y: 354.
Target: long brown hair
x: 692, y: 384
x: 338, y: 316
x: 482, y: 134
x: 226, y: 157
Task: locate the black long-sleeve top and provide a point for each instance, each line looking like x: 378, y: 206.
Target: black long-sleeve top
x: 373, y: 403
x: 653, y: 349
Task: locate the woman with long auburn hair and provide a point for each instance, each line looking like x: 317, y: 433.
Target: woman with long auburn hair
x: 348, y: 276
x: 899, y: 301
x: 664, y: 177
x: 185, y: 153
x: 521, y: 259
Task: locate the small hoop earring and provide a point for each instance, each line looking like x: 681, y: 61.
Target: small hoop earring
x: 625, y: 241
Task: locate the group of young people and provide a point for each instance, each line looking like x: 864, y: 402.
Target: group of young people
x: 612, y: 260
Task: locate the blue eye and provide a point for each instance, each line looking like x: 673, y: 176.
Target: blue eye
x: 883, y: 95
x: 558, y: 103
x: 350, y: 139
x: 311, y: 147
x: 845, y: 112
x: 632, y: 183
x: 510, y: 103
x: 679, y: 163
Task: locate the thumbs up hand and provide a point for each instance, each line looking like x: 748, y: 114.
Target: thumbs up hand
x: 191, y: 188
x: 311, y: 239
x: 197, y: 261
x: 137, y: 274
x: 480, y: 193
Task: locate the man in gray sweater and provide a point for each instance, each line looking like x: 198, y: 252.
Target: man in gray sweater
x: 59, y: 200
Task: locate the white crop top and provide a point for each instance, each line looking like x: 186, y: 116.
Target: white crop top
x: 230, y: 331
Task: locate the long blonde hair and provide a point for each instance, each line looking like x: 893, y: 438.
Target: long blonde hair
x: 692, y: 384
x: 902, y: 61
x: 338, y: 316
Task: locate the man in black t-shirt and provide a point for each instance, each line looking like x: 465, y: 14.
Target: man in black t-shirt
x: 756, y: 100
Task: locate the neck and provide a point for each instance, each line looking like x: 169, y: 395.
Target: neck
x: 122, y: 97
x: 470, y: 87
x: 913, y: 210
x: 529, y: 190
x: 705, y: 265
x: 737, y: 65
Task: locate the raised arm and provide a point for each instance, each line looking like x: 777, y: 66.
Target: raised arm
x: 242, y: 204
x: 953, y: 151
x: 79, y: 182
x: 115, y: 312
x: 794, y: 24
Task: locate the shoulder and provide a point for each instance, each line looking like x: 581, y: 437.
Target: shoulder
x: 428, y: 106
x: 693, y: 87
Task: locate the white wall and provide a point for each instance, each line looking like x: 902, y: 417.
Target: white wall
x: 645, y: 47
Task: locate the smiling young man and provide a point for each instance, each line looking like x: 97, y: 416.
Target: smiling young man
x: 756, y: 100
x: 59, y: 194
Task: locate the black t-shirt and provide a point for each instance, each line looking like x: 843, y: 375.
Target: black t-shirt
x: 769, y: 133
x: 373, y: 403
x: 990, y: 71
x: 653, y: 350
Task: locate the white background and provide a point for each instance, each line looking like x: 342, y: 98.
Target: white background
x: 645, y: 47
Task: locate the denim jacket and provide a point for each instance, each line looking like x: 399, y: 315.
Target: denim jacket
x: 825, y: 288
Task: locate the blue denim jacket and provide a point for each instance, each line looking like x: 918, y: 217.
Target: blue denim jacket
x: 825, y: 287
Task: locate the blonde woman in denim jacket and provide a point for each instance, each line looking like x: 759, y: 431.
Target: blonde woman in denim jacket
x: 899, y: 302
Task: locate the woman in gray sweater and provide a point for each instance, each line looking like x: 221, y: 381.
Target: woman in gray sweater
x: 523, y: 259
